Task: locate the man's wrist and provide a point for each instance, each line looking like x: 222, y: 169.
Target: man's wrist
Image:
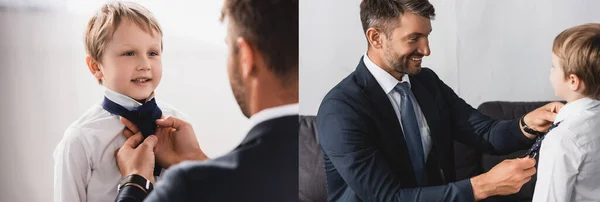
x: 480, y: 188
x: 138, y: 181
x: 135, y: 172
x: 135, y: 185
x: 527, y: 130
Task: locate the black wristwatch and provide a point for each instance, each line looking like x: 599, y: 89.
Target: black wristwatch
x: 529, y: 130
x: 135, y: 179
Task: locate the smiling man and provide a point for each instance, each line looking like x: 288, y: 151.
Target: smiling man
x: 387, y: 129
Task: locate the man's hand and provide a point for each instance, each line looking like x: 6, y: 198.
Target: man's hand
x: 503, y: 179
x: 541, y: 118
x: 136, y: 158
x: 176, y: 141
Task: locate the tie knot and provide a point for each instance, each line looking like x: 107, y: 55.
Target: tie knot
x: 403, y: 88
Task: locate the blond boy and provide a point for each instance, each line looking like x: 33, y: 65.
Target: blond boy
x: 123, y: 42
x: 569, y: 164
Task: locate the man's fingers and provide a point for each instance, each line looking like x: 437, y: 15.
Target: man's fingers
x: 549, y: 116
x: 171, y: 121
x: 530, y: 171
x: 129, y: 125
x: 134, y: 140
x: 526, y: 163
x: 150, y: 142
x: 127, y: 133
x: 555, y: 105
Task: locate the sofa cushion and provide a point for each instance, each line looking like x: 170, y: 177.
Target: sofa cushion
x: 507, y: 111
x: 311, y: 172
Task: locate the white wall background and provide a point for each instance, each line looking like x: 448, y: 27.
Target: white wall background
x: 45, y: 84
x: 486, y: 50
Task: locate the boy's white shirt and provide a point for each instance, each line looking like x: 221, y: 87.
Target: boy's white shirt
x: 569, y: 163
x: 85, y: 167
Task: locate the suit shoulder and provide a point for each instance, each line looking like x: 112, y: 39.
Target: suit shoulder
x: 218, y: 168
x: 346, y: 89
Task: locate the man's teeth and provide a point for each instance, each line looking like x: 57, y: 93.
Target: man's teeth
x: 416, y: 59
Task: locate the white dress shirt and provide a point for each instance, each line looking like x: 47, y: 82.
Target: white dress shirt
x: 388, y: 83
x: 85, y: 167
x: 569, y: 164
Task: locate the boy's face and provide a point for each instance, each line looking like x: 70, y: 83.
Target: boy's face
x: 131, y: 63
x: 557, y: 78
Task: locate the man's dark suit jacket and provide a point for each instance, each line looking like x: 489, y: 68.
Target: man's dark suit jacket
x: 365, y: 154
x: 263, y: 168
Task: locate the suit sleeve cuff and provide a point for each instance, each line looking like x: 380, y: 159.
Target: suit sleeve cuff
x: 515, y: 129
x: 465, y: 190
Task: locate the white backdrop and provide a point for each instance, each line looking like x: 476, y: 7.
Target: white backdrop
x: 486, y: 50
x: 45, y: 84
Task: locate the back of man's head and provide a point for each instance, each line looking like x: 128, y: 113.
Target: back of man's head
x: 272, y: 27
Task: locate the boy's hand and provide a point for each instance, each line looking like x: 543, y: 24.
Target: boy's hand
x: 541, y: 118
x: 136, y: 158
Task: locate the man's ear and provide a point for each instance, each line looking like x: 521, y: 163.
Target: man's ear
x: 246, y: 54
x: 375, y: 38
x: 93, y: 67
x: 575, y: 84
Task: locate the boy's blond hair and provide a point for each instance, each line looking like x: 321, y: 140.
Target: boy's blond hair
x: 579, y: 51
x: 103, y: 24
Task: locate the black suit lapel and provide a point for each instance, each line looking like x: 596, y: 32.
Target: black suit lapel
x: 428, y: 106
x: 430, y: 110
x: 384, y: 113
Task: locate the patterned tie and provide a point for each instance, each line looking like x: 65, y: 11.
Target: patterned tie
x: 535, y: 148
x: 144, y: 117
x: 412, y: 133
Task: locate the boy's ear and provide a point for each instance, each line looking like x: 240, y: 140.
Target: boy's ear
x: 575, y: 84
x: 246, y: 54
x: 93, y: 67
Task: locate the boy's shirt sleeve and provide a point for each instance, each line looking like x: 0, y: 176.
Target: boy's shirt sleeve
x: 72, y: 167
x: 558, y: 167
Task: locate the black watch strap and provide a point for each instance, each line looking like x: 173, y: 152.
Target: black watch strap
x: 137, y: 180
x: 529, y: 130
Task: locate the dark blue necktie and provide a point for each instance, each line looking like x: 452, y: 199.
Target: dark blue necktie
x: 535, y: 148
x: 412, y: 133
x: 144, y: 117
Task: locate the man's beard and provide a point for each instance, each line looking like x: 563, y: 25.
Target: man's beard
x: 237, y: 87
x: 401, y: 63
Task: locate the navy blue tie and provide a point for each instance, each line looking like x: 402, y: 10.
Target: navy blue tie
x: 412, y: 134
x: 144, y: 117
x: 535, y: 148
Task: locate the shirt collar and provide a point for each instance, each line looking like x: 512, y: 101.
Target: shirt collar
x: 575, y: 107
x: 385, y: 80
x: 123, y: 100
x: 274, y: 112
